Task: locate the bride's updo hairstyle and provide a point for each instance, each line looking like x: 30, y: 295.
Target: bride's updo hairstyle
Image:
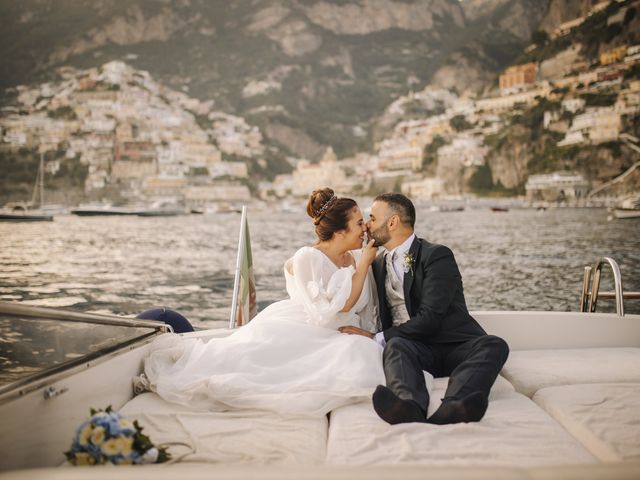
x: 329, y: 212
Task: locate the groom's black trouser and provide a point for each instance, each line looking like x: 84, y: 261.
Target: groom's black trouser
x: 471, y: 366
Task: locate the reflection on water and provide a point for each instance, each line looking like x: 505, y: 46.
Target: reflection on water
x: 520, y: 259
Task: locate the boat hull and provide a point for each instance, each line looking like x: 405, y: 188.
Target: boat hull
x: 626, y: 213
x: 14, y: 217
x: 102, y: 213
x: 160, y: 213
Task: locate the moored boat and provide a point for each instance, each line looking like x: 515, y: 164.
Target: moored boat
x: 24, y: 215
x: 628, y: 208
x: 24, y: 212
x: 161, y: 209
x: 102, y: 210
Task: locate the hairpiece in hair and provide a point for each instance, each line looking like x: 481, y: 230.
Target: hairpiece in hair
x: 325, y: 206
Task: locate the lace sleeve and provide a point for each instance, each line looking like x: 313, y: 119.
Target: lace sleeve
x: 322, y: 297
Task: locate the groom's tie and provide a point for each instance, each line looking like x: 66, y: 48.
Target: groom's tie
x: 390, y: 257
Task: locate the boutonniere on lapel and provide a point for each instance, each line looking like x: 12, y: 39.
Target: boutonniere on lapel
x: 408, y: 262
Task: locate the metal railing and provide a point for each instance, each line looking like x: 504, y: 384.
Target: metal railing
x: 590, y: 294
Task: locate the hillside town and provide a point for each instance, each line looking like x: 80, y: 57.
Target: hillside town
x: 457, y: 136
x: 147, y: 142
x: 135, y: 136
x: 436, y: 156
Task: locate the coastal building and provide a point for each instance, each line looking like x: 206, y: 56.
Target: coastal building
x: 228, y: 169
x: 613, y: 55
x: 424, y: 188
x: 595, y: 126
x: 467, y: 150
x: 399, y: 154
x: 421, y: 132
x: 566, y: 27
x: 390, y: 180
x: 505, y: 103
x: 162, y: 187
x: 588, y: 77
x: 96, y: 179
x: 633, y: 54
x: 628, y: 102
x: 309, y: 176
x: 132, y: 172
x: 573, y: 104
x: 203, y: 196
x: 518, y: 76
x: 281, y: 187
x: 556, y: 187
x: 15, y: 137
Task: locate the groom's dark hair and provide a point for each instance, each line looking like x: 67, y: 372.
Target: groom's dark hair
x: 400, y: 205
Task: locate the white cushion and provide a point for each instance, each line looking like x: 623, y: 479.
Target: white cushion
x: 605, y: 418
x: 514, y: 432
x: 238, y: 437
x: 530, y: 370
x: 500, y: 388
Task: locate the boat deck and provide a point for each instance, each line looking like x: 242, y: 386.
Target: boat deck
x: 564, y: 406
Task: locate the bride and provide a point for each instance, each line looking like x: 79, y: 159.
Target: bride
x: 290, y: 358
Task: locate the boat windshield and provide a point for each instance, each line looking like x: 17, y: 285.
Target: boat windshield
x: 33, y: 347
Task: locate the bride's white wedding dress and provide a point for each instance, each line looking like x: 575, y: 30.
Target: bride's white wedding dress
x: 289, y: 358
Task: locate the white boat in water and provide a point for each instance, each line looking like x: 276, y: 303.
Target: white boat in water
x: 628, y: 208
x: 566, y: 405
x: 160, y: 209
x: 25, y: 211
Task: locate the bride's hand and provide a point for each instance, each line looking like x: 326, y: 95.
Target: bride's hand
x: 349, y: 330
x: 369, y: 252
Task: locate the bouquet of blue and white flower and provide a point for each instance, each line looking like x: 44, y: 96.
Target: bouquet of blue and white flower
x: 108, y: 437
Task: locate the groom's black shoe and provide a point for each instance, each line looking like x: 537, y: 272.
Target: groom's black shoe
x: 394, y: 410
x: 470, y: 409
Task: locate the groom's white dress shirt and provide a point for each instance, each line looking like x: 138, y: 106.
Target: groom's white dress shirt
x: 397, y: 254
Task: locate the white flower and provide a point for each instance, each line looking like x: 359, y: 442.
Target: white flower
x: 85, y: 435
x: 117, y: 445
x: 124, y: 423
x: 97, y: 437
x: 150, y: 456
x: 408, y: 262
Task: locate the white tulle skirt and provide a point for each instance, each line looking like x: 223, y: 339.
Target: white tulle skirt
x: 276, y: 363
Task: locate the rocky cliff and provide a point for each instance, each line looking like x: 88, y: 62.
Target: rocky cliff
x: 318, y: 70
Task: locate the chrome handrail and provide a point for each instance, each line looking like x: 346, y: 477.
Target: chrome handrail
x: 49, y: 313
x: 589, y: 299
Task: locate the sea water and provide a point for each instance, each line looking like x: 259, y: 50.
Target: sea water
x: 522, y: 259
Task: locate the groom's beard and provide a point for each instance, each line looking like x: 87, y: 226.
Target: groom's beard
x: 380, y: 236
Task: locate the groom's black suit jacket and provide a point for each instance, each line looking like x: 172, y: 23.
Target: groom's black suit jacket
x: 433, y: 295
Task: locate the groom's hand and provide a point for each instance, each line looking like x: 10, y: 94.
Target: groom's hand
x: 355, y: 331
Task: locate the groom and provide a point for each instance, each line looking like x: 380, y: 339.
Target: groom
x: 426, y: 325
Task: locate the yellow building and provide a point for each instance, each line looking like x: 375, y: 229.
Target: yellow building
x: 613, y: 56
x: 519, y: 75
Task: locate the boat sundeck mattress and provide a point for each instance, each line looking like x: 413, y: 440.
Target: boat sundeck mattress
x: 515, y: 432
x: 530, y: 370
x: 500, y: 387
x: 605, y: 417
x: 241, y: 437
